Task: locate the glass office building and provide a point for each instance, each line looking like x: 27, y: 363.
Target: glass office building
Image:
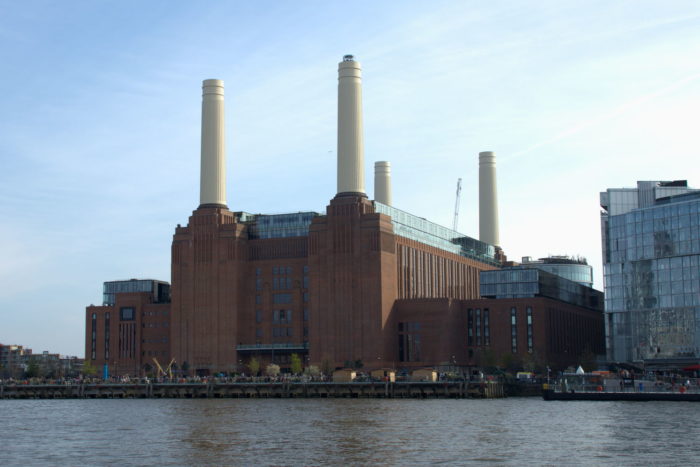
x: 527, y: 282
x: 651, y: 256
x: 574, y: 269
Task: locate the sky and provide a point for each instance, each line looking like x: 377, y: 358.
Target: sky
x: 100, y: 110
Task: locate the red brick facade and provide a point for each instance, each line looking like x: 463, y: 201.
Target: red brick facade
x: 350, y: 291
x: 128, y: 335
x: 483, y: 333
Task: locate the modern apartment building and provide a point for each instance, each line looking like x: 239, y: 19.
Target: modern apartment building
x: 651, y: 256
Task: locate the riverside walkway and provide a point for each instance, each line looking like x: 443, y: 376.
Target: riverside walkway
x: 212, y: 389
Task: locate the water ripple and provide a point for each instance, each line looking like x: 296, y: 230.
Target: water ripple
x: 291, y: 432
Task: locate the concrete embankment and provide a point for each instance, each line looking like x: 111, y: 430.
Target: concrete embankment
x: 416, y: 390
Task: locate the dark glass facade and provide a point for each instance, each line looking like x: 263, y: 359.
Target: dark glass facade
x: 522, y: 282
x: 159, y: 289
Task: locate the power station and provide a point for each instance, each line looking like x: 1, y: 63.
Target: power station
x: 363, y: 284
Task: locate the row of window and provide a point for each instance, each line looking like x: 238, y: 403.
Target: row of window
x: 155, y: 325
x: 154, y: 313
x: 93, y: 345
x: 474, y: 327
x: 280, y: 270
x: 281, y: 332
x: 281, y: 298
x: 280, y: 316
x: 158, y: 340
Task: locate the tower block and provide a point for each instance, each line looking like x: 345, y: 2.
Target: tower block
x: 352, y: 260
x: 207, y: 258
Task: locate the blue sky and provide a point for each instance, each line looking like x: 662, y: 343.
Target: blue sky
x: 100, y: 124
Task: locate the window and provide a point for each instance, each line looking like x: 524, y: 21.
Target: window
x: 258, y: 316
x: 306, y: 314
x: 306, y: 296
x: 126, y: 314
x: 258, y: 332
x: 478, y: 326
x: 513, y: 330
x: 281, y: 332
x: 279, y: 298
x: 259, y: 284
x: 282, y: 316
x: 93, y: 346
x: 529, y: 329
x: 487, y: 329
x: 283, y: 282
x: 258, y: 300
x: 470, y: 327
x: 107, y: 323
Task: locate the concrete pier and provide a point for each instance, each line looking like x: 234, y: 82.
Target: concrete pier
x: 414, y: 390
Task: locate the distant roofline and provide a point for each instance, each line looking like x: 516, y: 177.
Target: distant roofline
x: 137, y: 280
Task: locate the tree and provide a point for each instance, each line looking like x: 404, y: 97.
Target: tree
x: 272, y: 370
x: 326, y: 366
x: 510, y: 362
x: 185, y: 367
x: 295, y: 364
x: 488, y: 358
x: 358, y: 364
x: 89, y: 368
x: 312, y: 370
x: 32, y: 370
x: 254, y: 366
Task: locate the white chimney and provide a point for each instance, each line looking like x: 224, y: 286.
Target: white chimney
x: 382, y: 182
x: 351, y: 153
x: 213, y: 172
x: 488, y: 200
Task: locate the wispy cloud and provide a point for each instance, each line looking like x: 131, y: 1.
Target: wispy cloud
x: 627, y: 107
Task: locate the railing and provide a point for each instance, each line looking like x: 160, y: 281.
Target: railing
x: 613, y: 385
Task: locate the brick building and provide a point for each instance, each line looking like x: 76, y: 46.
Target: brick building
x: 130, y: 329
x: 334, y: 288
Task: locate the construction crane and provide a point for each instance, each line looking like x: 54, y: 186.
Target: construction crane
x: 459, y: 192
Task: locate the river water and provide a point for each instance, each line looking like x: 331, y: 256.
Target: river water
x: 514, y: 431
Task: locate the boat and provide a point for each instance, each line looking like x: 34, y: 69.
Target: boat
x: 550, y: 394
